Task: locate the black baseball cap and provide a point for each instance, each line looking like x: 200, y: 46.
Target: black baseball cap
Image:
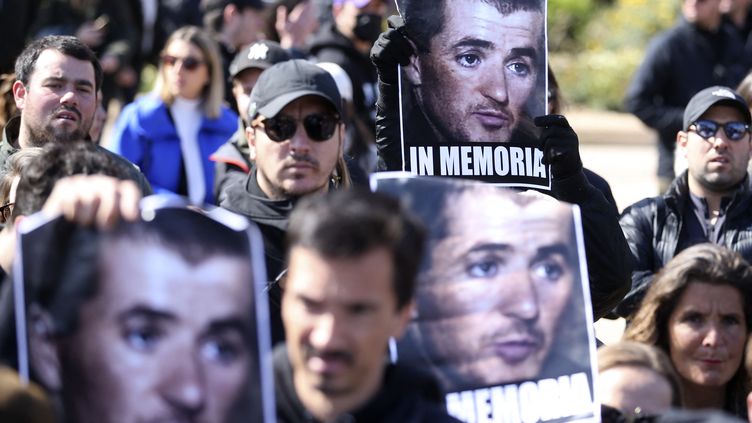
x: 259, y: 55
x: 709, y: 97
x: 210, y: 5
x: 286, y: 82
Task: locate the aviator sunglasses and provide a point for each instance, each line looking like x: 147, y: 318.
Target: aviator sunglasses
x: 319, y: 127
x: 734, y: 131
x: 189, y: 63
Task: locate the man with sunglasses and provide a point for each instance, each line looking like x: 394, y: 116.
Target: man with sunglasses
x: 707, y: 203
x: 296, y: 137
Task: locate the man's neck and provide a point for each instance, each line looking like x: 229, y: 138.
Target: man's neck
x: 701, y: 397
x: 712, y: 198
x: 328, y: 407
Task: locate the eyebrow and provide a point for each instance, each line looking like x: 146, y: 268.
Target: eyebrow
x: 473, y: 42
x: 490, y: 246
x: 524, y: 52
x: 555, y: 249
x: 147, y: 312
x: 229, y: 324
x: 77, y: 81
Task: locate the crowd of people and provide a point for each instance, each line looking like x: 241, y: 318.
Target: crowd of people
x: 278, y: 112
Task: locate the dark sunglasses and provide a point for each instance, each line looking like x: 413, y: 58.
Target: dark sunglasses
x: 319, y: 127
x: 734, y: 131
x: 5, y: 212
x: 189, y: 63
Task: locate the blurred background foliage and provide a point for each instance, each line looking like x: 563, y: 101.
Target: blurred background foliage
x: 596, y: 45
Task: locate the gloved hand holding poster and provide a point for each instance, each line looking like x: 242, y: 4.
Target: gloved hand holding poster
x: 503, y: 318
x: 159, y: 319
x: 473, y: 79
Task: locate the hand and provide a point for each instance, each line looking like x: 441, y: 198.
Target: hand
x: 391, y: 48
x: 294, y: 27
x: 94, y: 200
x: 560, y: 145
x: 90, y: 34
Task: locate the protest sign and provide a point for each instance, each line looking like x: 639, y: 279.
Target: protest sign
x: 163, y: 318
x: 477, y: 79
x: 503, y: 317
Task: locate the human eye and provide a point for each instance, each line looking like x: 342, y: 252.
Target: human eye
x: 692, y: 317
x: 520, y: 68
x: 468, y: 60
x: 549, y: 269
x: 142, y: 336
x: 730, y: 320
x: 223, y: 348
x: 486, y: 267
x: 85, y: 89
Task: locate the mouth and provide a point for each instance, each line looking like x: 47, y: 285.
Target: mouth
x: 300, y: 165
x: 492, y: 119
x: 517, y: 349
x: 67, y: 115
x: 328, y: 364
x: 711, y: 361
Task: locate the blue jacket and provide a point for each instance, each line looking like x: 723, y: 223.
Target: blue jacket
x: 146, y: 135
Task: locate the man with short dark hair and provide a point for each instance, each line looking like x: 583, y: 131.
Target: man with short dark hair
x: 233, y: 158
x: 709, y: 202
x: 234, y: 24
x: 476, y: 68
x: 349, y: 289
x: 58, y: 78
x: 296, y: 137
x: 146, y: 322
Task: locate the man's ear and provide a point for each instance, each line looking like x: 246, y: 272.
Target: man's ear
x: 412, y: 71
x: 19, y: 94
x: 43, y: 355
x: 250, y: 136
x: 229, y: 13
x: 681, y: 142
x: 405, y: 315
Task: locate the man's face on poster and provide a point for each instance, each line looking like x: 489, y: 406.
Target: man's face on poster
x: 489, y: 306
x: 163, y: 339
x: 476, y: 81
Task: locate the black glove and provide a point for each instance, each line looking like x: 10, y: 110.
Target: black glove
x: 560, y: 146
x: 391, y: 48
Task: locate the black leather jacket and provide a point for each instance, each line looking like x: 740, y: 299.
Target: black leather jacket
x: 652, y: 227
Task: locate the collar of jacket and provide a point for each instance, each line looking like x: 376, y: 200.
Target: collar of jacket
x: 677, y: 195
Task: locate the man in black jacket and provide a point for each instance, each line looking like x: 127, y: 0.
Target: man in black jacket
x: 696, y: 53
x: 707, y: 203
x: 296, y: 138
x: 353, y: 256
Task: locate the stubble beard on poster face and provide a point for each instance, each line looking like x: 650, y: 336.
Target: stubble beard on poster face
x: 451, y: 128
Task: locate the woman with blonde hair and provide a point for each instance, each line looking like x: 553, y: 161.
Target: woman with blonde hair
x: 697, y: 312
x: 171, y: 133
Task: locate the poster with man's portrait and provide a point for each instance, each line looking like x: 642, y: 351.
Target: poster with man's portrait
x: 158, y: 319
x: 502, y: 313
x: 472, y: 89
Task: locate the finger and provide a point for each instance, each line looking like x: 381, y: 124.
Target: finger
x: 551, y: 120
x: 84, y: 210
x: 130, y: 195
x: 107, y: 214
x: 281, y: 21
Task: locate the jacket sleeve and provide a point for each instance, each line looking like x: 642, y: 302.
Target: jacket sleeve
x: 127, y: 137
x: 608, y: 259
x: 388, y: 142
x: 638, y: 230
x: 646, y: 96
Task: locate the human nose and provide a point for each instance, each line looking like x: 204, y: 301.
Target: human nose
x: 713, y: 337
x: 324, y: 333
x: 495, y: 86
x: 69, y: 97
x: 520, y: 296
x: 185, y: 386
x: 300, y: 142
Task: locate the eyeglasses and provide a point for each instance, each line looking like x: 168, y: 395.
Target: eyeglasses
x: 6, y: 211
x: 319, y: 127
x: 734, y: 131
x: 189, y: 63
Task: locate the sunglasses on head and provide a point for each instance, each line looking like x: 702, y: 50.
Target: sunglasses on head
x: 6, y: 211
x: 319, y: 127
x: 189, y: 63
x: 734, y: 131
